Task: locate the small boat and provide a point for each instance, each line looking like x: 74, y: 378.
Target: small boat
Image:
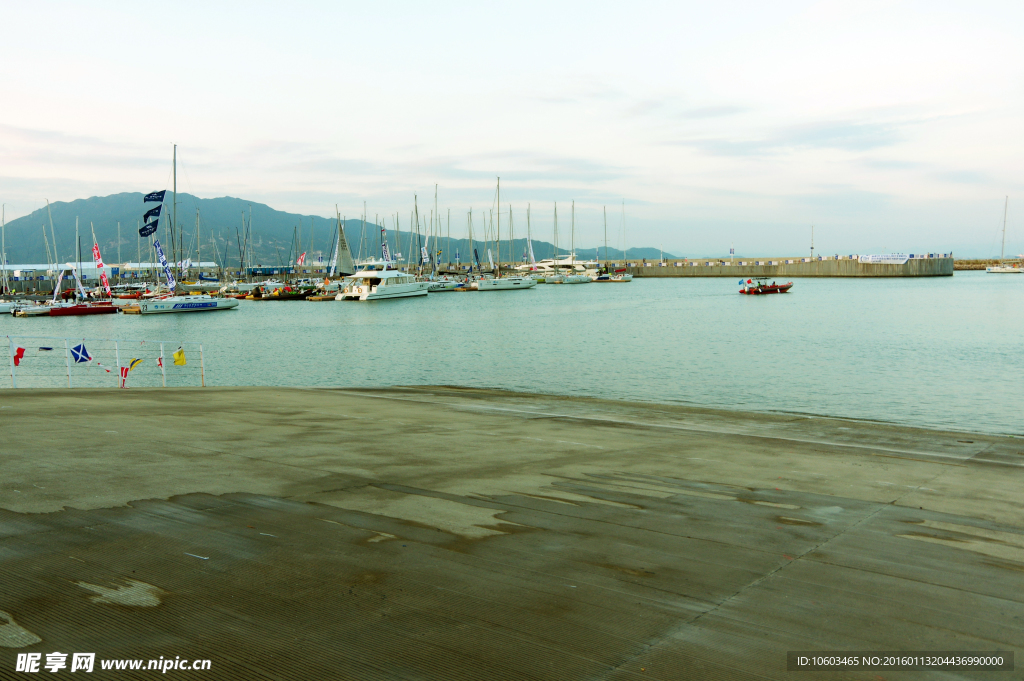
x: 286, y: 293
x: 577, y: 279
x: 759, y: 286
x: 618, y: 276
x: 31, y: 311
x: 200, y: 303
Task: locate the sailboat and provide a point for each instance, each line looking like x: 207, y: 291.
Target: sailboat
x: 1003, y: 267
x: 509, y: 282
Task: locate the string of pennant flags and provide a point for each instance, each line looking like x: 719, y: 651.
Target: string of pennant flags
x: 80, y: 355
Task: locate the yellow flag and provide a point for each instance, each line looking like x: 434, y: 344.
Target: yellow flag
x: 179, y: 357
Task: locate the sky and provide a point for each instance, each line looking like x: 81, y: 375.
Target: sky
x: 889, y: 126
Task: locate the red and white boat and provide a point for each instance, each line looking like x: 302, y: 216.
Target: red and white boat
x: 759, y: 286
x: 82, y: 309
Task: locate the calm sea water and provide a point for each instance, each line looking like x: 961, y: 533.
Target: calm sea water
x: 945, y: 352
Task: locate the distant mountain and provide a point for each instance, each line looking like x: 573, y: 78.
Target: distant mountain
x: 274, y: 234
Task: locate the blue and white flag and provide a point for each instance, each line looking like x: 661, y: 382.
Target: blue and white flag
x: 457, y: 261
x: 741, y: 282
x: 171, y: 283
x: 385, y: 252
x: 477, y: 255
x: 732, y: 251
x: 148, y: 229
x: 154, y: 196
x: 424, y: 256
x: 80, y: 354
x: 152, y: 213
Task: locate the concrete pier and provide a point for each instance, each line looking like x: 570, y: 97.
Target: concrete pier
x: 452, y: 533
x: 783, y: 268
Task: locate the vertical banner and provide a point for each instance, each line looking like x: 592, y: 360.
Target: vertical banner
x: 385, y: 252
x: 99, y: 266
x: 424, y: 256
x: 163, y: 261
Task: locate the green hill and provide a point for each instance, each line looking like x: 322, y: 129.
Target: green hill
x: 274, y: 233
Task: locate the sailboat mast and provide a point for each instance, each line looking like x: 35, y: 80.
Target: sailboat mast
x: 554, y: 258
x: 1002, y: 251
x: 174, y: 204
x: 199, y: 248
x: 3, y: 242
x: 497, y: 232
x: 572, y: 238
x: 605, y: 209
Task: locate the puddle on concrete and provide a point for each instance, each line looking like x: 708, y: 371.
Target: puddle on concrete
x: 13, y: 635
x: 134, y: 593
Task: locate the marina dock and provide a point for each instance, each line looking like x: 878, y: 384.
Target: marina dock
x: 470, y: 534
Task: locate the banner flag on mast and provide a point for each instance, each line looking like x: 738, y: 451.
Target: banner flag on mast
x: 18, y: 354
x: 152, y: 213
x: 424, y: 256
x: 154, y: 196
x: 385, y: 252
x: 171, y: 283
x: 148, y: 228
x: 301, y: 260
x: 80, y: 354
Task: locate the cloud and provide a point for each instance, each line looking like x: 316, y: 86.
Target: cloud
x: 843, y: 135
x: 712, y: 112
x: 964, y: 177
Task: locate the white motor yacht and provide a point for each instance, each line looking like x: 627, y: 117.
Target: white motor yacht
x: 379, y: 282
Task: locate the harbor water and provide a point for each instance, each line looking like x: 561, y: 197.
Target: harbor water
x: 944, y: 352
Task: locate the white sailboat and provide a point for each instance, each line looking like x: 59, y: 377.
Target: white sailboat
x: 1003, y: 267
x: 506, y: 283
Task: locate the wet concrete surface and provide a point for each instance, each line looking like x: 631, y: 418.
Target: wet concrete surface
x: 435, y: 533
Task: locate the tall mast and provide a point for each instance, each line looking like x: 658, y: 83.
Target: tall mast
x: 1002, y: 251
x: 3, y: 242
x: 449, y: 244
x: 174, y: 204
x: 572, y: 238
x: 118, y: 249
x: 497, y: 231
x: 554, y: 258
x: 605, y: 208
x: 138, y: 247
x: 511, y: 239
x: 53, y: 236
x: 199, y: 248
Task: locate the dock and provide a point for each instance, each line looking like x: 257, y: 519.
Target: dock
x: 450, y: 533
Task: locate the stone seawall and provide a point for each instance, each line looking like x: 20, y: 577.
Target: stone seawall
x: 918, y: 267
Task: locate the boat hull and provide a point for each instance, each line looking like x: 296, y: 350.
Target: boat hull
x: 186, y: 304
x: 505, y: 284
x: 81, y: 310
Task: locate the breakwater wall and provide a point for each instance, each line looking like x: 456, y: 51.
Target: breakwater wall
x: 916, y: 267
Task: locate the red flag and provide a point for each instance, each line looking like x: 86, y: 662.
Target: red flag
x: 160, y: 362
x: 302, y: 259
x: 124, y: 376
x: 96, y: 255
x: 106, y: 282
x: 18, y: 354
x: 749, y: 281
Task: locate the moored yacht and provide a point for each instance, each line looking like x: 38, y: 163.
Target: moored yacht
x: 194, y: 303
x: 378, y: 280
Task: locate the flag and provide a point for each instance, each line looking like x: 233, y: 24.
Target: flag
x: 179, y: 357
x: 749, y: 281
x: 154, y: 196
x: 302, y: 259
x: 741, y: 282
x: 124, y: 376
x: 105, y: 281
x: 148, y: 228
x: 163, y: 261
x: 41, y: 349
x: 457, y: 261
x: 160, y: 362
x: 18, y: 354
x: 152, y: 213
x: 96, y: 256
x: 133, y: 363
x: 424, y: 256
x: 80, y: 354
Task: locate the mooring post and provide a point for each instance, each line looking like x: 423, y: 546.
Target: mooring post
x: 67, y: 359
x: 163, y: 371
x: 10, y: 343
